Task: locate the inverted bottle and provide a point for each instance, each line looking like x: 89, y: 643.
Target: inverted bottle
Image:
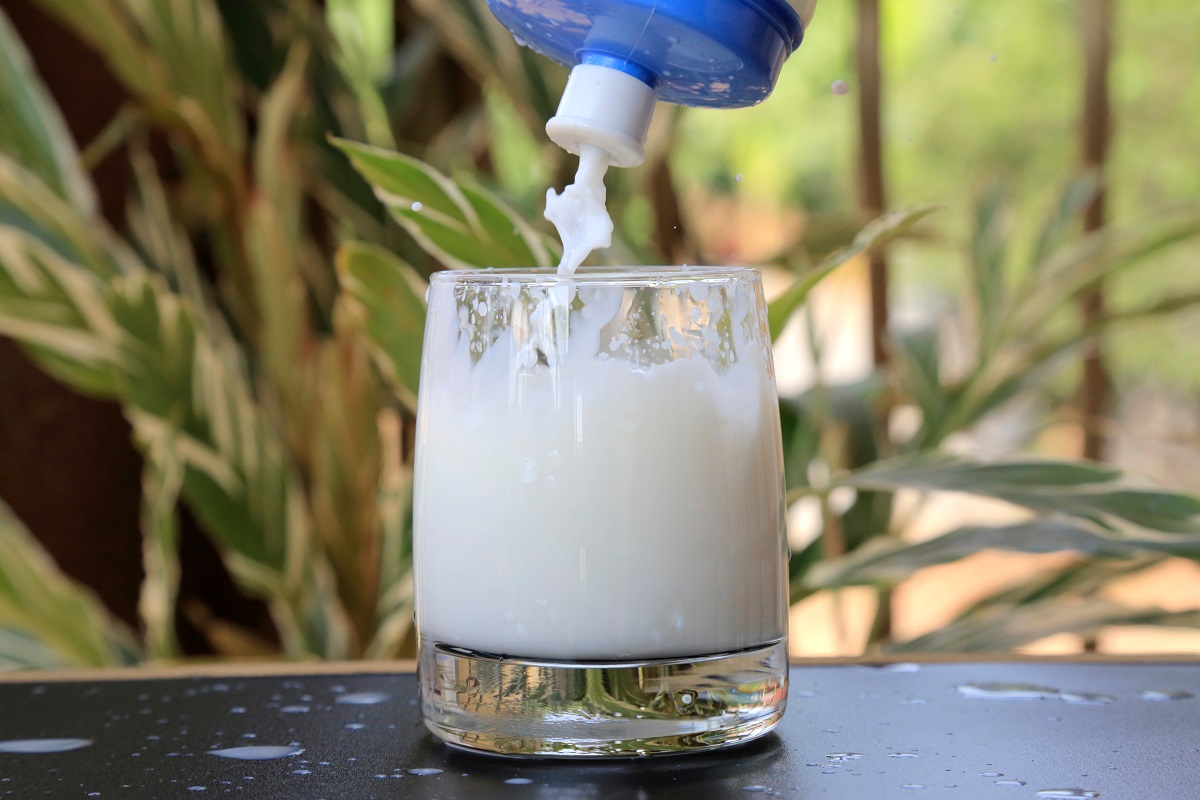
x: 627, y: 55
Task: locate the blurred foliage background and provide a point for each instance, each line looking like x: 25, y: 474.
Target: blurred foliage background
x: 196, y: 244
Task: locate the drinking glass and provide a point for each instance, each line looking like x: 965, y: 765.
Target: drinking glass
x: 598, y: 535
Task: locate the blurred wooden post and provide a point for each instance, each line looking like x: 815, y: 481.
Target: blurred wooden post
x: 872, y: 198
x: 872, y: 201
x: 1095, y: 388
x: 1095, y: 385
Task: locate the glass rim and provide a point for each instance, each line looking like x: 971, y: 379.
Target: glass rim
x: 643, y: 277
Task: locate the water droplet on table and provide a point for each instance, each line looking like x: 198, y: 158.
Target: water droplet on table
x: 1010, y: 783
x: 42, y: 745
x: 1086, y: 698
x: 1159, y: 696
x: 256, y: 752
x: 294, y: 710
x: 516, y: 781
x: 425, y: 771
x: 840, y: 757
x: 1006, y: 691
x: 913, y: 786
x: 363, y: 698
x: 902, y: 755
x: 1069, y: 794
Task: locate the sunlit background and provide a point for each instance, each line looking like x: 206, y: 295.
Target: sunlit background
x: 982, y: 107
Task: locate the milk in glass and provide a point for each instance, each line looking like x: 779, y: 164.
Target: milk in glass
x: 598, y: 471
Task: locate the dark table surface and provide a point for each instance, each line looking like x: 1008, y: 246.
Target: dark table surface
x: 851, y: 731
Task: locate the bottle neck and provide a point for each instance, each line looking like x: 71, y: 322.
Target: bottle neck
x: 605, y: 107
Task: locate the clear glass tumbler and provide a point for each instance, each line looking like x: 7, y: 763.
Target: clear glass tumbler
x: 600, y: 555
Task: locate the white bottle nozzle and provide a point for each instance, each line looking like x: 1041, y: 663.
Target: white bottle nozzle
x: 607, y: 108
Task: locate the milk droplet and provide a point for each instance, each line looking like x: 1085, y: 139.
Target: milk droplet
x: 25, y: 746
x: 417, y: 205
x: 1086, y: 698
x: 363, y: 698
x: 256, y: 752
x: 1006, y: 691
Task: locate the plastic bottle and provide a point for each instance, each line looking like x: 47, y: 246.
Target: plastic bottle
x: 626, y: 55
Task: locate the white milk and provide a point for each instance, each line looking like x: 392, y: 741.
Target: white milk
x: 580, y: 213
x: 590, y: 498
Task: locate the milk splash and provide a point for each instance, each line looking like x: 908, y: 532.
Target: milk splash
x: 579, y: 213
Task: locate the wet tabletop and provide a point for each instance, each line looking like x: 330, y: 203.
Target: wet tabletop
x: 947, y: 730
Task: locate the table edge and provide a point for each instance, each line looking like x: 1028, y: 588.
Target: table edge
x: 253, y: 669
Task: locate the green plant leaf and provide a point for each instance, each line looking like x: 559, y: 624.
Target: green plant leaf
x: 386, y: 297
x: 879, y: 232
x: 944, y: 472
x: 53, y: 308
x: 46, y: 619
x: 162, y: 478
x: 1074, y: 269
x: 890, y: 561
x: 130, y: 338
x: 187, y: 392
x: 173, y: 56
x: 32, y: 131
x: 462, y: 226
x: 364, y: 31
x: 108, y: 26
x: 918, y: 357
x: 1051, y: 487
x: 394, y: 610
x: 1082, y: 578
x: 1077, y: 195
x: 492, y: 56
x: 1003, y: 629
x: 989, y: 251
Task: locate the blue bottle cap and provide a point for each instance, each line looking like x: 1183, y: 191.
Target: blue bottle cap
x: 711, y: 54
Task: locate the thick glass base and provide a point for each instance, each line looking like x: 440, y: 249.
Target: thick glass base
x: 516, y: 707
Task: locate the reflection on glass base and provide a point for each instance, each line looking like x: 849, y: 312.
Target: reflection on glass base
x: 518, y: 707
